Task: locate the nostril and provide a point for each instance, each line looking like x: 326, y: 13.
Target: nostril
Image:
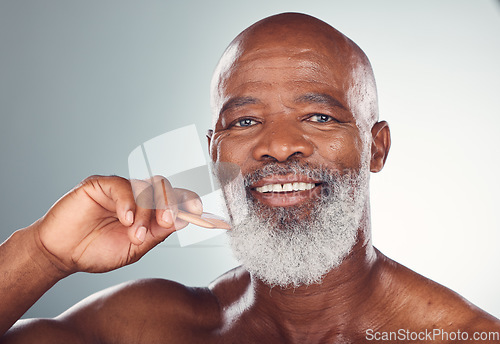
x: 269, y: 158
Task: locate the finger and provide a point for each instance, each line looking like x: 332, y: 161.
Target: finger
x: 114, y: 194
x: 189, y: 201
x: 158, y: 232
x: 165, y: 202
x: 138, y: 232
x: 144, y: 198
x: 143, y: 193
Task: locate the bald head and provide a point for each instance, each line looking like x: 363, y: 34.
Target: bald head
x: 327, y: 51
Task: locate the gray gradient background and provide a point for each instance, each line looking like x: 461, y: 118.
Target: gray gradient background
x: 82, y: 83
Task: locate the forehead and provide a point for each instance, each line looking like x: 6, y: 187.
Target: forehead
x: 284, y: 72
x: 277, y: 65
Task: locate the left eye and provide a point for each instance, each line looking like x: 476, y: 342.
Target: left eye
x: 246, y: 122
x: 320, y: 118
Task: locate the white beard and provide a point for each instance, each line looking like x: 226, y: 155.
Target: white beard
x: 298, y: 245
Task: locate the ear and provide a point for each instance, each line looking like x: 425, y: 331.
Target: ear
x: 381, y: 143
x: 209, y: 135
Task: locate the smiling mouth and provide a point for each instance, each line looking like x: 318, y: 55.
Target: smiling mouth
x: 285, y: 191
x: 286, y: 187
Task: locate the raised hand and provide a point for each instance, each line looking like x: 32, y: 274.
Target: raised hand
x: 98, y: 226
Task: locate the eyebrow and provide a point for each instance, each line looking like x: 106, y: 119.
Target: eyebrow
x: 321, y: 98
x: 239, y: 102
x: 311, y: 98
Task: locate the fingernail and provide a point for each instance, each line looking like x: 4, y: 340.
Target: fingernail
x: 141, y: 233
x: 129, y: 216
x: 168, y: 216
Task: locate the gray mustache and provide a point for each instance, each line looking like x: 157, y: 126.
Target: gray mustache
x: 319, y: 173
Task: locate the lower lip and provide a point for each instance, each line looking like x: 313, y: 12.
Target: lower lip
x: 286, y: 199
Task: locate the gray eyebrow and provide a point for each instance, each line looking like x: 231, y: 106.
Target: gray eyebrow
x: 238, y: 102
x: 321, y: 98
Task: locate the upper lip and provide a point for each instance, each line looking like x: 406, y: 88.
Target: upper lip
x: 279, y: 179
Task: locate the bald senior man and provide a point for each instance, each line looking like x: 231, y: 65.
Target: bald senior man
x: 295, y: 109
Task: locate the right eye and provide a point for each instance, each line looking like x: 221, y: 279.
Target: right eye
x: 245, y: 122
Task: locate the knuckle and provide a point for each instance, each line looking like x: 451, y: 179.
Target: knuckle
x: 90, y: 182
x: 143, y: 193
x: 139, y: 185
x: 92, y: 178
x: 97, y: 177
x: 119, y: 179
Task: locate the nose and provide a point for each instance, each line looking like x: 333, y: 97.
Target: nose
x: 281, y: 141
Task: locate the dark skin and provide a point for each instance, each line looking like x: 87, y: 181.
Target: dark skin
x: 287, y: 93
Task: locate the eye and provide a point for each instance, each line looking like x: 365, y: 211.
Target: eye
x: 245, y: 122
x: 321, y: 118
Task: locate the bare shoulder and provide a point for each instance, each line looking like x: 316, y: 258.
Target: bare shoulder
x: 422, y: 303
x: 231, y: 286
x: 145, y: 311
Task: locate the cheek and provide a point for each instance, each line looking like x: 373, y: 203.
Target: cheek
x: 343, y: 149
x: 227, y: 148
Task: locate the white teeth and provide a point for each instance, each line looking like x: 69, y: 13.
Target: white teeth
x: 296, y: 186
